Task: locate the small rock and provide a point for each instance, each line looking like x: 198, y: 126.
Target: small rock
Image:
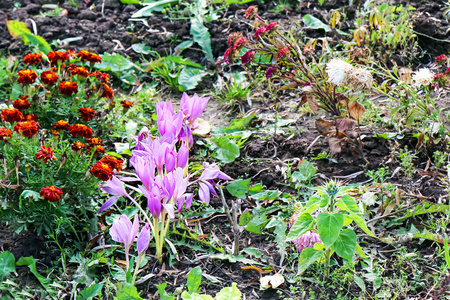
x: 129, y: 8
x: 88, y: 15
x: 112, y: 4
x: 32, y: 9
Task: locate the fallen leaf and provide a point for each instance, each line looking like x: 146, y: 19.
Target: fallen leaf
x: 323, y: 126
x: 204, y: 127
x: 273, y: 281
x: 344, y: 123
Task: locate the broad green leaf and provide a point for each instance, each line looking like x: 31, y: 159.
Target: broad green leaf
x: 425, y: 208
x: 312, y: 204
x: 307, y: 258
x: 202, y: 37
x: 361, y: 224
x: 240, y: 124
x: 29, y: 194
x: 90, y: 292
x: 31, y: 263
x: 162, y: 292
x: 266, y: 195
x: 227, y: 150
x: 305, y: 172
x: 194, y: 280
x: 314, y: 23
x: 38, y: 41
x: 345, y: 244
x: 114, y: 62
x: 182, y: 46
x: 17, y: 28
x: 7, y: 263
x: 245, y: 218
x: 360, y: 282
x: 151, y: 6
x: 195, y: 296
x: 229, y: 293
x: 329, y: 225
x: 141, y: 47
x: 189, y: 78
x: 347, y: 203
x: 347, y: 220
x: 239, y: 188
x: 360, y: 252
x: 126, y: 291
x: 303, y: 224
x: 257, y: 223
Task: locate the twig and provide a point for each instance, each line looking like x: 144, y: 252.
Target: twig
x: 233, y: 221
x: 312, y: 144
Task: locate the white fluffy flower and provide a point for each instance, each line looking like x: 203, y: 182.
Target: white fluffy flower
x: 337, y: 71
x: 423, y: 77
x: 360, y: 78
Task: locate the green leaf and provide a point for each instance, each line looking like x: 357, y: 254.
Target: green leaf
x: 360, y: 282
x: 347, y: 203
x: 162, y: 292
x: 314, y: 23
x: 27, y: 193
x: 194, y: 280
x: 189, y: 78
x: 266, y: 195
x: 141, y: 47
x: 303, y: 223
x: 7, y: 263
x: 183, y: 46
x: 229, y: 293
x: 92, y: 291
x: 227, y: 150
x: 31, y: 263
x: 38, y: 41
x: 151, y: 6
x: 114, y: 62
x: 239, y: 188
x: 240, y: 124
x: 360, y: 252
x: 305, y: 172
x: 245, y: 218
x: 126, y: 291
x: 329, y: 225
x: 257, y: 223
x: 307, y: 258
x: 362, y: 224
x: 130, y: 1
x: 345, y: 244
x: 312, y: 204
x: 195, y: 296
x: 17, y: 29
x: 202, y: 37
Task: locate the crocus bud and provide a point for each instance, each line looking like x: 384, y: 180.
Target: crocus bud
x: 143, y: 239
x: 169, y: 160
x: 182, y: 156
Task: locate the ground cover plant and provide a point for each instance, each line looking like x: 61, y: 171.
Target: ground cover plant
x: 224, y: 150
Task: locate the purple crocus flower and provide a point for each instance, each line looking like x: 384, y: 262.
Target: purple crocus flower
x: 116, y: 189
x: 192, y: 107
x: 168, y: 122
x: 145, y: 170
x: 143, y: 239
x: 206, y: 181
x: 123, y: 231
x: 182, y: 156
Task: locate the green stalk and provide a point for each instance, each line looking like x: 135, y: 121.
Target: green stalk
x: 137, y: 266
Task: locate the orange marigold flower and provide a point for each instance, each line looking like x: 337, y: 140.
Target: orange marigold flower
x: 46, y: 154
x: 100, y: 76
x: 11, y: 115
x: 126, y: 104
x: 68, y: 88
x: 77, y: 146
x: 102, y: 170
x: 86, y: 113
x: 27, y: 128
x: 113, y: 162
x: 62, y: 125
x: 82, y: 130
x: 105, y: 91
x: 88, y: 56
x: 49, y: 77
x: 51, y: 194
x: 21, y: 104
x: 83, y: 55
x: 27, y: 76
x: 98, y: 150
x: 56, y: 57
x: 94, y: 58
x: 5, y: 133
x: 32, y: 58
x: 82, y: 71
x: 94, y: 142
x: 30, y: 117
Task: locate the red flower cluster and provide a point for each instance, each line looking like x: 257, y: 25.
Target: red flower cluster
x: 30, y: 117
x: 105, y: 91
x: 68, y: 88
x: 88, y: 56
x: 51, y: 194
x: 251, y: 12
x: 82, y: 130
x: 62, y: 125
x: 126, y: 104
x: 46, y: 154
x: 21, y: 103
x: 56, y: 57
x: 49, y: 77
x: 27, y: 128
x: 32, y: 58
x: 441, y: 59
x: 102, y: 170
x: 86, y: 113
x: 235, y: 43
x: 113, y: 162
x: 100, y: 76
x: 27, y: 76
x: 81, y: 71
x: 5, y: 133
x: 11, y: 115
x: 77, y: 146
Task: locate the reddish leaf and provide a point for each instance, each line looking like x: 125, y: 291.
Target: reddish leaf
x: 356, y: 110
x: 335, y: 145
x: 344, y: 124
x: 323, y: 126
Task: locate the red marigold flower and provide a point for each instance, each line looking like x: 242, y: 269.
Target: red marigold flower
x: 86, y: 113
x: 95, y: 142
x: 5, y: 133
x: 270, y: 71
x: 77, y: 146
x: 27, y: 128
x: 271, y: 27
x: 248, y: 57
x: 260, y: 31
x: 102, y: 170
x: 251, y: 12
x: 32, y: 58
x: 68, y: 88
x: 49, y: 77
x: 113, y: 162
x: 98, y: 150
x: 241, y: 42
x: 27, y: 76
x: 283, y: 52
x: 46, y: 154
x: 11, y: 115
x: 83, y: 55
x: 56, y: 57
x: 100, y: 76
x: 62, y: 125
x: 94, y: 58
x: 441, y: 59
x: 82, y: 71
x: 51, y: 194
x: 82, y: 130
x: 21, y: 104
x: 126, y: 104
x: 105, y: 91
x: 30, y: 117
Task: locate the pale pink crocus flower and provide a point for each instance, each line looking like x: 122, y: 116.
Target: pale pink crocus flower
x: 123, y: 231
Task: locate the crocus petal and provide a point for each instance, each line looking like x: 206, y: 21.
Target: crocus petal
x: 203, y: 192
x: 189, y: 198
x: 134, y: 229
x: 114, y: 187
x: 182, y: 156
x: 169, y: 209
x: 143, y: 239
x: 169, y: 160
x: 108, y: 203
x: 153, y: 200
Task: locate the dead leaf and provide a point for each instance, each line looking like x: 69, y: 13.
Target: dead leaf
x: 335, y: 145
x: 344, y: 123
x: 356, y: 110
x: 420, y: 140
x: 204, y: 127
x: 323, y: 126
x: 273, y: 281
x: 311, y: 102
x: 405, y: 74
x: 342, y: 100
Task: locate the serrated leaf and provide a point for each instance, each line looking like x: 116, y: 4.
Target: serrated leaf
x: 329, y: 225
x: 229, y: 293
x: 7, y: 263
x: 202, y: 37
x: 345, y: 244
